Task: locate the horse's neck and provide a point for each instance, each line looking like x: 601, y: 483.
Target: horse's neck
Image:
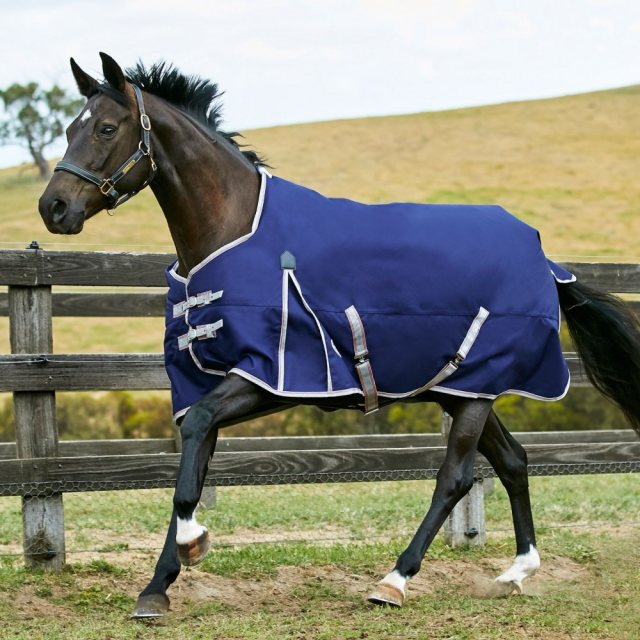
x: 207, y: 191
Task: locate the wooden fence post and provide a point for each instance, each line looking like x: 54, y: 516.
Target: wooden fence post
x: 465, y: 527
x: 36, y: 429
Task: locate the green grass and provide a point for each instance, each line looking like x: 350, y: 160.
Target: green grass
x: 332, y: 542
x: 344, y: 511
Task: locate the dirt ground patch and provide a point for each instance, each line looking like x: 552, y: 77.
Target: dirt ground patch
x: 285, y: 591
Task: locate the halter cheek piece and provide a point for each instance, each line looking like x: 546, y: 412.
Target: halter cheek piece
x: 107, y: 186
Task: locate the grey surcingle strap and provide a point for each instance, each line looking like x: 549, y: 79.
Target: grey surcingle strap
x: 361, y: 356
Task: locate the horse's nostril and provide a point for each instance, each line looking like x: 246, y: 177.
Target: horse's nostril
x: 58, y: 210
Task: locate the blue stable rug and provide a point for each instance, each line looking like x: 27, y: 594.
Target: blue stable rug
x: 329, y: 297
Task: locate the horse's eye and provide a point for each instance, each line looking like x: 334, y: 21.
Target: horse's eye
x: 107, y: 130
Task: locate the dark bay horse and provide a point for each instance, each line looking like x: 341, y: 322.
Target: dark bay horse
x: 160, y: 128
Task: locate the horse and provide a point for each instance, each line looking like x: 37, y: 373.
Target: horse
x: 160, y: 128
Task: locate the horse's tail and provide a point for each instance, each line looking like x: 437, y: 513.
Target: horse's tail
x: 606, y: 335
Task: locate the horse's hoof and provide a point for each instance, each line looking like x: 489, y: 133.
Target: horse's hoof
x: 516, y: 588
x: 511, y: 587
x: 386, y: 594
x: 153, y: 605
x: 193, y: 552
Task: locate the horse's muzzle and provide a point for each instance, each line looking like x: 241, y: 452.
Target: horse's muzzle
x: 59, y: 217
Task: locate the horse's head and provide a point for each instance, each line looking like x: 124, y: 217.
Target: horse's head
x: 108, y: 157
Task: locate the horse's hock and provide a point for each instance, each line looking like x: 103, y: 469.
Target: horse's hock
x: 40, y: 469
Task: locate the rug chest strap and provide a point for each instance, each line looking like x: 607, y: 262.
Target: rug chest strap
x: 361, y: 356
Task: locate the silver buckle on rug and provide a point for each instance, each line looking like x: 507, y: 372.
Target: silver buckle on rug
x: 201, y: 332
x: 199, y: 300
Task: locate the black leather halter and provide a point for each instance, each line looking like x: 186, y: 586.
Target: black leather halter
x: 107, y: 186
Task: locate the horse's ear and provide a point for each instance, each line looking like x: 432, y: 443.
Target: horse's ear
x: 86, y: 84
x: 112, y: 72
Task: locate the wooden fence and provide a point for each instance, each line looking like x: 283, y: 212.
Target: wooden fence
x: 40, y: 468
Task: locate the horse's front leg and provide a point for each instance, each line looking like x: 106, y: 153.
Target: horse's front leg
x: 153, y: 601
x: 234, y: 399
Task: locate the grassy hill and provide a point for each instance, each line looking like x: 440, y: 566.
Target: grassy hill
x: 568, y: 166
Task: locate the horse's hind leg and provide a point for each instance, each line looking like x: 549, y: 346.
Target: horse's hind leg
x: 509, y: 459
x: 453, y: 481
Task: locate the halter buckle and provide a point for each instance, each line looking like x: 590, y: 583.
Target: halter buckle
x: 106, y: 187
x: 145, y: 122
x: 144, y: 149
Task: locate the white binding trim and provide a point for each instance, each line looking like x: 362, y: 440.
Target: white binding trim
x: 358, y: 391
x: 283, y: 327
x: 178, y: 414
x: 214, y: 372
x: 295, y: 394
x: 490, y: 396
x: 234, y: 243
x: 559, y: 280
x: 324, y: 342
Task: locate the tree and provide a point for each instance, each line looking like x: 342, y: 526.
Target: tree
x: 35, y: 117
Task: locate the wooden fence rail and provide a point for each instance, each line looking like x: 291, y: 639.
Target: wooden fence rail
x: 40, y: 469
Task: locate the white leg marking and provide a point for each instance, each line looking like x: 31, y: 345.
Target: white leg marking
x: 85, y: 116
x: 524, y: 566
x: 394, y: 579
x: 188, y: 530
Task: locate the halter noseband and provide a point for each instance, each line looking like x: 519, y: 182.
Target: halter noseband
x: 107, y: 186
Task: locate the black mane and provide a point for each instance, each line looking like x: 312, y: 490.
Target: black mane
x: 192, y: 94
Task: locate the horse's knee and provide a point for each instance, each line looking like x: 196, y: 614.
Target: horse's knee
x: 514, y: 474
x: 197, y: 422
x: 454, y: 484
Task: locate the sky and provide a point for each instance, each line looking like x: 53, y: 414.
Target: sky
x: 290, y: 61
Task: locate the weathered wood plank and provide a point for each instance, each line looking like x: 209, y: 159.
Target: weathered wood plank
x: 148, y: 446
x: 100, y: 472
x: 281, y: 467
x: 579, y: 453
x: 38, y: 267
x: 74, y: 448
x: 121, y: 305
x: 102, y: 305
x: 408, y: 440
x: 36, y: 430
x: 33, y: 267
x: 104, y: 371
x: 619, y: 277
x: 83, y: 372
